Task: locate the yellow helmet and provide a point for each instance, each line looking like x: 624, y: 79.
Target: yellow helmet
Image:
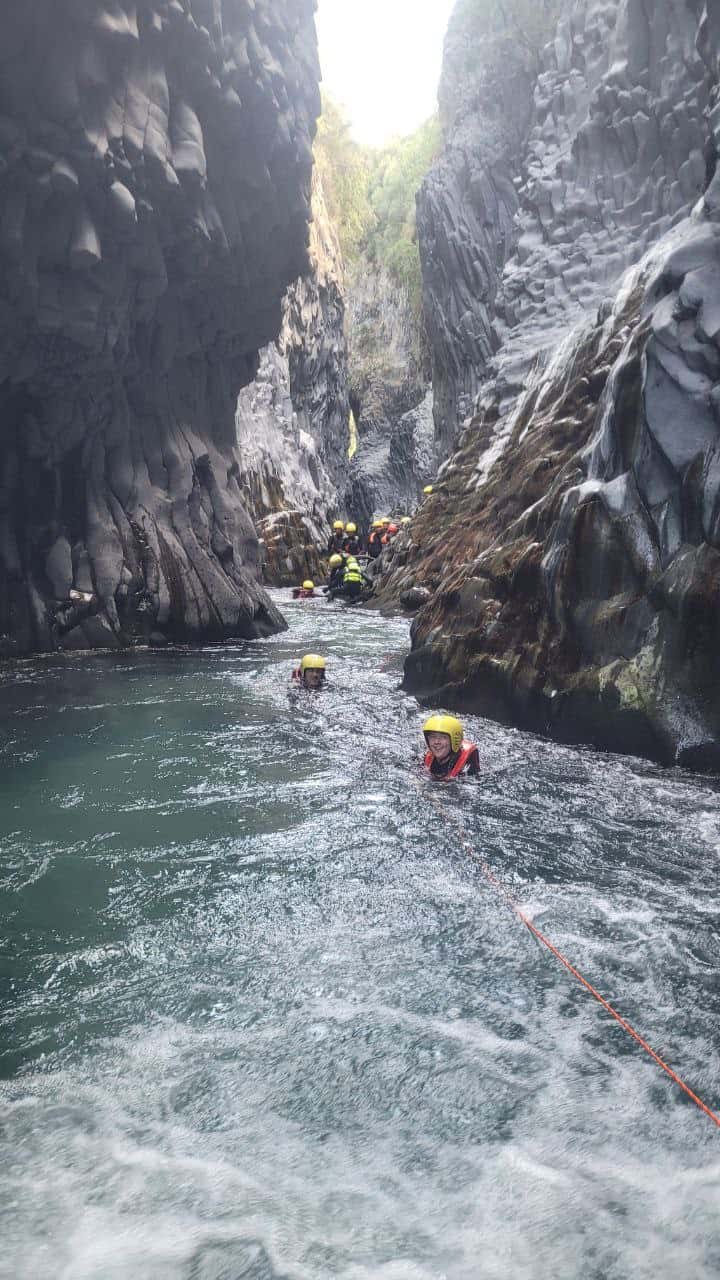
x: 385, y: 522
x: 377, y: 524
x: 338, y: 526
x: 351, y: 528
x: 405, y: 520
x: 335, y: 561
x: 428, y: 489
x: 308, y: 585
x: 448, y: 725
x: 312, y: 662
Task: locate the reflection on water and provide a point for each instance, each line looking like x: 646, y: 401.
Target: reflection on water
x: 263, y: 1018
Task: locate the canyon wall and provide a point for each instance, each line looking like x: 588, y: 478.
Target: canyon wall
x: 155, y: 166
x: 571, y: 550
x: 390, y: 394
x: 293, y: 421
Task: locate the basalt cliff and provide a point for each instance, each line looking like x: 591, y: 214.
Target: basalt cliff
x: 155, y: 173
x: 570, y: 554
x: 293, y: 420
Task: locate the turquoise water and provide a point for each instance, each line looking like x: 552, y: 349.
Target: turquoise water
x: 262, y: 1017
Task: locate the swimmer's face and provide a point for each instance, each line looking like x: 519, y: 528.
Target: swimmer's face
x: 313, y: 678
x: 439, y: 744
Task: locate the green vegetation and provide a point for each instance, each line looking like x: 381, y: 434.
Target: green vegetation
x: 396, y: 174
x: 370, y: 194
x: 344, y: 170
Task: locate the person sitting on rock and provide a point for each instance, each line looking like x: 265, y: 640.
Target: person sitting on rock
x: 335, y: 581
x: 351, y: 542
x: 336, y: 537
x: 448, y: 754
x: 374, y: 545
x: 306, y: 591
x: 311, y: 672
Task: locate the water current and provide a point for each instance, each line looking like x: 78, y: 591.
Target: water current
x: 263, y: 1017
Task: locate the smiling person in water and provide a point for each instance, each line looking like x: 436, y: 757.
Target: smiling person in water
x: 448, y: 754
x: 311, y: 672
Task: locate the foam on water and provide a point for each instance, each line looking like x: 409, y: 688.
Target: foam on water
x: 265, y: 1019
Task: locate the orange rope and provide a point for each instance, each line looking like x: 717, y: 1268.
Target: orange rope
x: 509, y: 899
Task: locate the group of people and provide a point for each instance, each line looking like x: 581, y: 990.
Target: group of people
x: 347, y: 579
x: 448, y: 754
x: 345, y: 538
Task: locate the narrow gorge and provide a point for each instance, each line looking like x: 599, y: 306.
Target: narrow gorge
x: 201, y: 367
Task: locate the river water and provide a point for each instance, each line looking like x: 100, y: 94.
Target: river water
x: 263, y: 1017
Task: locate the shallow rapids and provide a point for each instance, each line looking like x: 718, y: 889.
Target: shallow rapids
x: 263, y: 1018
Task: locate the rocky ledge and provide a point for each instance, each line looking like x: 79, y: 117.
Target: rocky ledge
x: 155, y: 166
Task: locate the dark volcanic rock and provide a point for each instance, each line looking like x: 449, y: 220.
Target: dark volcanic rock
x: 465, y: 214
x: 573, y: 544
x: 155, y: 165
x: 390, y: 396
x: 293, y: 420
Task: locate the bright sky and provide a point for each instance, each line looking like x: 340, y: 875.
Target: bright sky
x: 381, y: 61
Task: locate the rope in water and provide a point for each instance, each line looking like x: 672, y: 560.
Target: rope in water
x: 510, y: 901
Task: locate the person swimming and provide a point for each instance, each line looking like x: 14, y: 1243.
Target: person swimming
x: 311, y: 672
x: 448, y: 754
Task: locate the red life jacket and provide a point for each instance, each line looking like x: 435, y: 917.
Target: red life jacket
x: 468, y: 751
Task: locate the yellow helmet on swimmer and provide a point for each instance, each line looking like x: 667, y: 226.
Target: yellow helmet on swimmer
x: 448, y: 725
x: 338, y: 526
x: 312, y: 662
x: 308, y: 585
x: 335, y: 561
x: 350, y: 527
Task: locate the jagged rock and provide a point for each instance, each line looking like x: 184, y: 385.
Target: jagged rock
x: 293, y: 420
x: 572, y: 546
x: 414, y: 598
x: 465, y: 214
x: 390, y: 396
x: 155, y: 166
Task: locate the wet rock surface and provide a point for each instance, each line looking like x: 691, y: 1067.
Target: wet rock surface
x: 572, y: 547
x: 155, y: 167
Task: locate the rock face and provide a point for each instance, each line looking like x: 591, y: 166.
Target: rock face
x: 465, y: 213
x: 155, y: 163
x: 573, y: 546
x: 390, y: 396
x: 293, y: 420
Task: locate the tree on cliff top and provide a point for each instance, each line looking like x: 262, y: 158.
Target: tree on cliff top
x: 530, y: 22
x: 344, y: 169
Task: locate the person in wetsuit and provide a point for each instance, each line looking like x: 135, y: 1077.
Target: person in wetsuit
x: 448, y: 754
x: 374, y: 545
x: 351, y: 542
x: 335, y: 581
x: 311, y: 672
x: 336, y: 538
x: 354, y: 582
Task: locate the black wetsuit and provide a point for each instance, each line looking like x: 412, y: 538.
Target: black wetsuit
x: 374, y: 544
x: 335, y: 581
